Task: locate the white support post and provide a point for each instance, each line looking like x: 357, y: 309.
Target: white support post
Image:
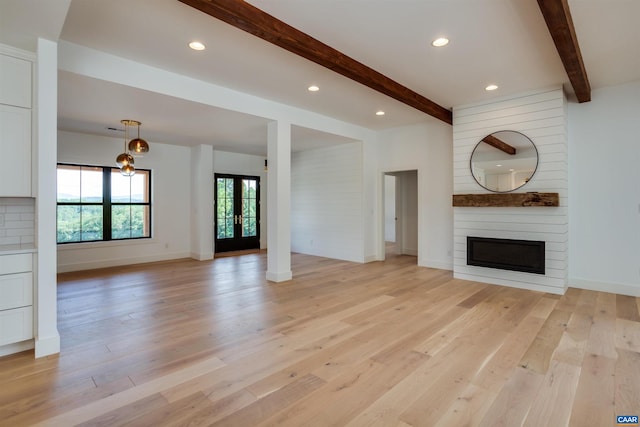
x: 47, y: 338
x: 202, y: 202
x: 279, y: 202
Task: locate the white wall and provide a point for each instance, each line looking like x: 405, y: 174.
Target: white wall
x: 245, y: 164
x: 604, y: 213
x: 171, y: 204
x: 408, y: 198
x: 405, y: 209
x: 542, y: 117
x: 428, y: 149
x: 326, y: 202
x: 389, y: 208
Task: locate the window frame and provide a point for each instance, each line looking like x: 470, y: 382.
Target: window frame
x: 107, y: 204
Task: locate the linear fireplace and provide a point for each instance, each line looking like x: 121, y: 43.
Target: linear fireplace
x: 506, y: 254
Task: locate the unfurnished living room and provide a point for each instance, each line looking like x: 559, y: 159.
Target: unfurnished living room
x: 319, y: 213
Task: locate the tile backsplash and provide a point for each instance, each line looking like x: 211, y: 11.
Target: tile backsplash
x: 17, y: 221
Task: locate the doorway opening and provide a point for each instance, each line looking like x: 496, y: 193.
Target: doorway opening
x: 400, y: 213
x: 237, y: 207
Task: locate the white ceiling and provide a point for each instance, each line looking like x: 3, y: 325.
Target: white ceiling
x: 492, y: 41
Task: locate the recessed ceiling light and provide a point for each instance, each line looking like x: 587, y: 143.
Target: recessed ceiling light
x: 197, y: 45
x: 439, y: 42
x: 313, y: 88
x: 499, y: 166
x: 491, y: 87
x: 380, y: 113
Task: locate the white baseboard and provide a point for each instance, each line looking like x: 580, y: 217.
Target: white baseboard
x: 282, y: 276
x: 372, y: 258
x: 48, y: 345
x: 16, y: 347
x: 511, y: 283
x: 103, y: 263
x: 614, y: 288
x: 207, y: 256
x: 435, y: 264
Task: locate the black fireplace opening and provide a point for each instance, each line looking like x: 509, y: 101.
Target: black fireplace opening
x: 506, y: 254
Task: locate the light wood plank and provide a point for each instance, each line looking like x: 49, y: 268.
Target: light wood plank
x: 173, y: 413
x: 573, y: 343
x: 628, y: 335
x: 511, y: 406
x: 271, y: 404
x: 552, y: 405
x: 453, y: 379
x: 602, y: 338
x: 595, y: 393
x: 218, y: 409
x: 364, y: 384
x: 627, y: 386
x: 539, y: 354
x: 132, y: 395
x: 497, y: 371
x: 468, y: 408
x: 126, y: 413
x: 626, y: 308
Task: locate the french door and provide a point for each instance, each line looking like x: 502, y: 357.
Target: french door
x: 237, y: 221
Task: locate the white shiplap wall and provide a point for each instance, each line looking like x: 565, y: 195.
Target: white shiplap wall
x: 542, y: 116
x: 326, y: 202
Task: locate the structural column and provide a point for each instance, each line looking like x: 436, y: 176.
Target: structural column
x: 47, y: 339
x: 279, y: 202
x: 202, y: 217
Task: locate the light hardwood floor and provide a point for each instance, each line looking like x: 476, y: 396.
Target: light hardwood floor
x: 342, y: 344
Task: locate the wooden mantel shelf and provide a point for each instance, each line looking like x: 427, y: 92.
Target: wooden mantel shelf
x: 506, y: 199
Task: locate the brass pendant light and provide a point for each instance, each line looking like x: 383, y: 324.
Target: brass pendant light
x: 135, y: 147
x: 128, y: 170
x: 124, y: 159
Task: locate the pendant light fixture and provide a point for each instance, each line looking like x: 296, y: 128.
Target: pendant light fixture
x: 128, y: 170
x: 124, y: 159
x: 135, y: 147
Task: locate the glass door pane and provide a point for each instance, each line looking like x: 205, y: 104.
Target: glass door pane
x: 249, y: 205
x: 224, y: 208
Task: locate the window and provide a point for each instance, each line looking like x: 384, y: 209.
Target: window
x: 97, y: 203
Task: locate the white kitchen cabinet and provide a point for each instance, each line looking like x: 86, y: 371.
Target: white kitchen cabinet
x: 15, y: 81
x: 16, y: 298
x: 16, y: 290
x: 15, y: 151
x: 16, y: 325
x: 15, y: 122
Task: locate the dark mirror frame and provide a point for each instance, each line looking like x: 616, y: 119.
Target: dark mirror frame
x: 502, y: 155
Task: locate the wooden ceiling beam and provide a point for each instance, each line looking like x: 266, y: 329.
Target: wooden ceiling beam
x: 499, y: 144
x: 558, y: 18
x: 249, y: 18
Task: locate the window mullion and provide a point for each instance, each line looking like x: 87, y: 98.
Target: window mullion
x: 106, y: 203
x: 80, y: 202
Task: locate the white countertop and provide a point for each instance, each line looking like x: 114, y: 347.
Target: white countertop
x: 17, y: 249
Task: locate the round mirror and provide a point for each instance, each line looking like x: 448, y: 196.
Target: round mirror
x: 504, y: 161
